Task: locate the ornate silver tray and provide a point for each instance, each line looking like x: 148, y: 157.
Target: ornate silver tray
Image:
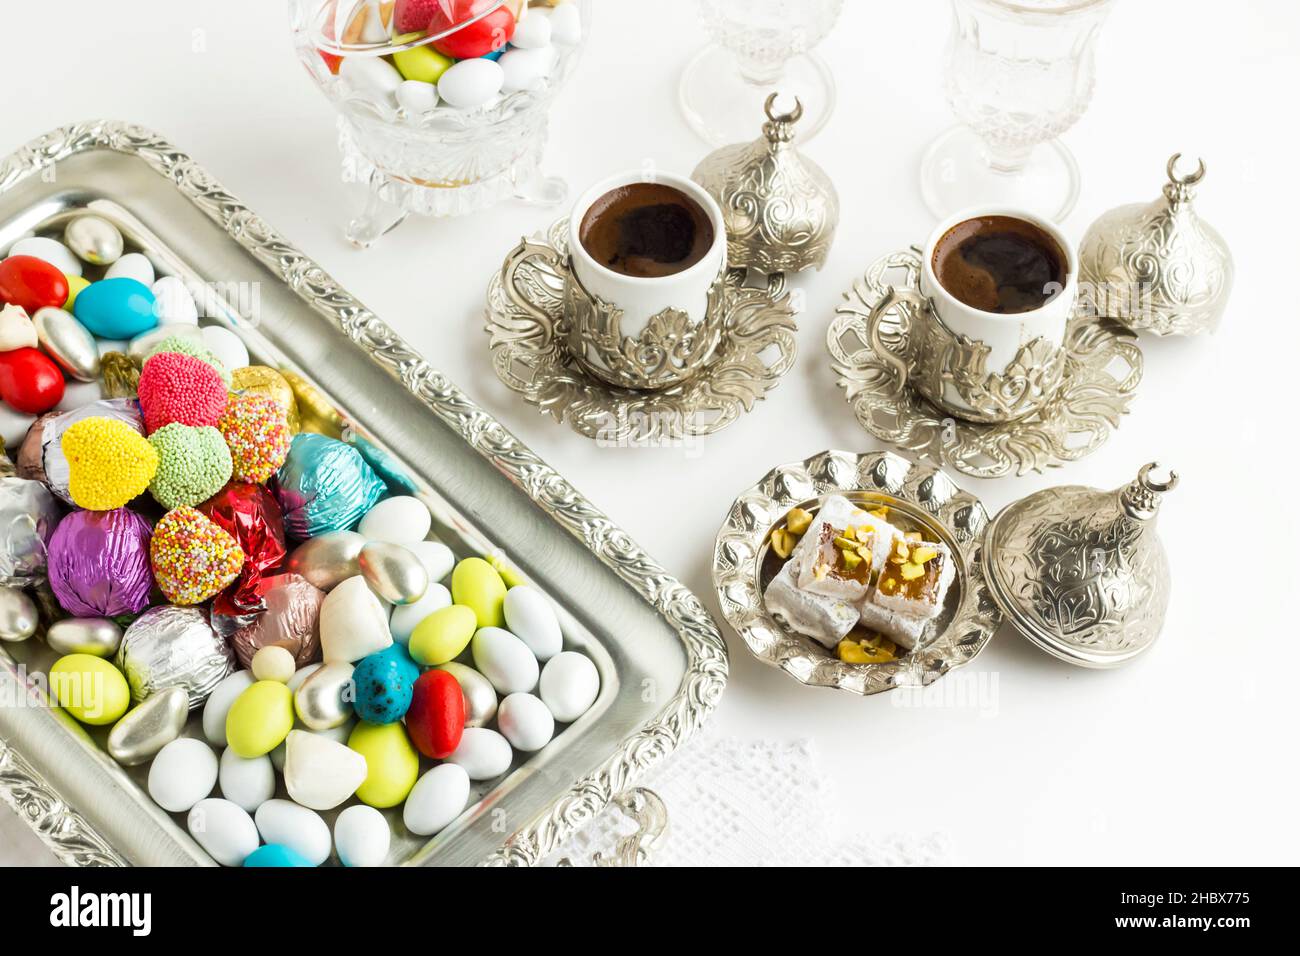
x: 927, y: 496
x: 525, y: 325
x: 662, y: 661
x: 1103, y: 367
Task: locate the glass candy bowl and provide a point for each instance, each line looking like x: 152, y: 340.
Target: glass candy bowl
x: 394, y: 76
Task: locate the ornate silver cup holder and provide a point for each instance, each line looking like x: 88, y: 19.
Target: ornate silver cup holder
x: 532, y: 353
x: 1102, y: 367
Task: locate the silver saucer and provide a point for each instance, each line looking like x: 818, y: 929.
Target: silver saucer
x: 1103, y: 367
x: 927, y: 496
x: 525, y: 323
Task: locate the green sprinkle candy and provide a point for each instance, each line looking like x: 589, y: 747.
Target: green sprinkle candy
x: 193, y: 464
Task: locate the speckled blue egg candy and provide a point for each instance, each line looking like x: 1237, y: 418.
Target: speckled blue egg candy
x: 274, y: 854
x: 384, y: 684
x: 118, y: 308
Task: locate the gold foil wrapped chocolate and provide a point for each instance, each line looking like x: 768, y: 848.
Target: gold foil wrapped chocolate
x: 119, y: 374
x: 261, y: 380
x: 315, y: 413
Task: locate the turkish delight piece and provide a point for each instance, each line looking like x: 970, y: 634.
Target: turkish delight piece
x: 915, y: 579
x: 842, y: 564
x: 824, y: 619
x: 906, y: 631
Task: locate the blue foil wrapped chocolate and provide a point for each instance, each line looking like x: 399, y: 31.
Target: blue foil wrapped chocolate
x: 324, y: 485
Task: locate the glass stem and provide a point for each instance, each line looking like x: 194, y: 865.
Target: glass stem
x: 1010, y: 160
x: 760, y: 73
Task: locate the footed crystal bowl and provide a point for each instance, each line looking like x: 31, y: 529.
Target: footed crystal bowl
x: 439, y: 160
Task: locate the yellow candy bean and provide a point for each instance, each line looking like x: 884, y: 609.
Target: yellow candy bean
x: 442, y: 635
x: 392, y: 764
x: 477, y: 585
x: 90, y: 689
x: 260, y: 718
x: 75, y: 285
x: 422, y: 63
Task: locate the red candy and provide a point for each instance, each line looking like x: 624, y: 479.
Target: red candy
x: 478, y: 38
x: 32, y: 283
x: 29, y: 382
x: 180, y: 388
x: 436, y: 717
x: 251, y: 515
x: 413, y: 16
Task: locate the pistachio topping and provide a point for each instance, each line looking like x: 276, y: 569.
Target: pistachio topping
x: 797, y: 521
x: 782, y: 542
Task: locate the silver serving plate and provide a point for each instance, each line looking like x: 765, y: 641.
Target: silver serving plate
x: 662, y: 662
x: 929, y: 500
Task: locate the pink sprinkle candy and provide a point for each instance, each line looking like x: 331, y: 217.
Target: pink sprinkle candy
x: 180, y: 388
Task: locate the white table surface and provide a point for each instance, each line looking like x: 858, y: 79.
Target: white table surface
x: 1188, y: 755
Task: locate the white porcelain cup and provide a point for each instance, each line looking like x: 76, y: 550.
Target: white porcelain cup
x: 946, y: 337
x: 638, y: 297
x: 1004, y: 334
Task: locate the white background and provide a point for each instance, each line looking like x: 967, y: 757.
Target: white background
x: 1188, y: 755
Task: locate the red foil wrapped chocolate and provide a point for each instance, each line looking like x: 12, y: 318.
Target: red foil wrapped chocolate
x: 291, y: 620
x: 251, y: 515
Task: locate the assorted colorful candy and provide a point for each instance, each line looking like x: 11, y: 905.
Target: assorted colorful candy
x: 257, y: 433
x: 211, y: 556
x: 477, y: 52
x: 180, y: 388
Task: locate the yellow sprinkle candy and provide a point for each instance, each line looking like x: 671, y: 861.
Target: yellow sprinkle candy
x: 109, y: 463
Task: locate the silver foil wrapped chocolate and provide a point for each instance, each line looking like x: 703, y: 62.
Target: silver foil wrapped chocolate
x: 170, y: 646
x: 28, y: 517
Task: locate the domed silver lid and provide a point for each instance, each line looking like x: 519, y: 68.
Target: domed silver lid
x: 1158, y: 266
x: 1081, y: 572
x: 780, y: 208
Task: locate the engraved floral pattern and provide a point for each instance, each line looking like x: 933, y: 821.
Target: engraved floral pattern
x: 1082, y: 571
x: 1158, y: 266
x: 780, y: 208
x: 668, y: 351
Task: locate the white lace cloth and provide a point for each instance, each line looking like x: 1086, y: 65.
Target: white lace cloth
x: 738, y: 802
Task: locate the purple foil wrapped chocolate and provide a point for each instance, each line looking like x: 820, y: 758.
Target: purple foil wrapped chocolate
x: 99, y: 563
x: 28, y: 517
x: 291, y: 620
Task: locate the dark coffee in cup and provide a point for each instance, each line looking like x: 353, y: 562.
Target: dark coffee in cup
x: 1000, y: 264
x: 646, y: 230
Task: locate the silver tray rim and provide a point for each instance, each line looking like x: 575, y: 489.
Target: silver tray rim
x: 70, y: 837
